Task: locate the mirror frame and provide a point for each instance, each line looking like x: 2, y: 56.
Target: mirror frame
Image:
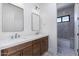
x: 32, y: 22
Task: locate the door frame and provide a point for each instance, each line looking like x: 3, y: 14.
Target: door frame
x: 76, y: 13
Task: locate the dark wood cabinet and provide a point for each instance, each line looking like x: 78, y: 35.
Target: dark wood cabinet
x: 6, y: 52
x: 17, y: 53
x: 44, y: 45
x: 27, y: 51
x: 36, y: 47
x: 33, y: 48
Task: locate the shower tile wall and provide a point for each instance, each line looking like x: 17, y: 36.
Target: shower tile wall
x: 66, y: 29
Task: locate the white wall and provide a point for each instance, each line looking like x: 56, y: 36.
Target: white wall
x: 29, y: 8
x: 48, y: 16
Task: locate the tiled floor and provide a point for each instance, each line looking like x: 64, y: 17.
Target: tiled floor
x: 66, y: 52
x: 64, y: 48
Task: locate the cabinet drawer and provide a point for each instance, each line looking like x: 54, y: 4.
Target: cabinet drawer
x: 36, y: 41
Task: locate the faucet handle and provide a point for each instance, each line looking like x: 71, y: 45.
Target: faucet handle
x: 15, y: 35
x: 18, y: 36
x: 11, y: 37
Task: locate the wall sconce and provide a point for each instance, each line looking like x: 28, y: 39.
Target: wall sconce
x: 36, y: 8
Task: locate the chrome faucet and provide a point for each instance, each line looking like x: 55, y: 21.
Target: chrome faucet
x: 15, y: 36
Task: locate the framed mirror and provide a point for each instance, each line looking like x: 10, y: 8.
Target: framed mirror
x: 35, y: 22
x: 12, y: 18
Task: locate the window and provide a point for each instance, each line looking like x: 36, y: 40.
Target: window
x: 63, y: 18
x: 59, y: 19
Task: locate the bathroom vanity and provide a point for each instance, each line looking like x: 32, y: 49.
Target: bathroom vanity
x: 32, y: 46
x: 16, y: 45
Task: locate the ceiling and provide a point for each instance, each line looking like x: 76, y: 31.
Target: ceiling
x: 63, y: 5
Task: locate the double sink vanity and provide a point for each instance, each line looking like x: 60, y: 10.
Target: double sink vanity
x: 13, y: 21
x: 33, y: 45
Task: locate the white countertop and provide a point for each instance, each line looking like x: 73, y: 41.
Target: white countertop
x: 6, y: 43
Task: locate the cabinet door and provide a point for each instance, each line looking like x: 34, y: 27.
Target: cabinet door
x: 18, y: 53
x: 44, y: 45
x: 36, y: 48
x: 27, y: 51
